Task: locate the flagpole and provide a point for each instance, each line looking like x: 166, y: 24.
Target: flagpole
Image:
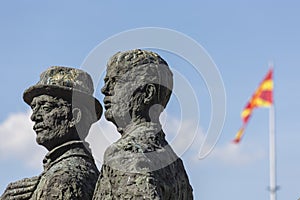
x: 272, y: 154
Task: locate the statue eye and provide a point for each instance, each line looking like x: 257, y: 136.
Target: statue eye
x: 46, y: 108
x: 32, y: 106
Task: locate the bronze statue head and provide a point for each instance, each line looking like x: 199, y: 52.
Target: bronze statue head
x: 63, y: 106
x: 138, y: 86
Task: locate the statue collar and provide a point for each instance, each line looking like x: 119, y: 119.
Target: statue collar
x: 68, y: 149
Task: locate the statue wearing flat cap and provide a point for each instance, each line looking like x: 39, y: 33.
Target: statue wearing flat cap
x: 141, y: 165
x: 63, y: 109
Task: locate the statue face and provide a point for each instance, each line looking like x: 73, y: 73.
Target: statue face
x: 51, y: 117
x: 118, y: 90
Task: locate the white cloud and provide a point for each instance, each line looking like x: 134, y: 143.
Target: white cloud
x: 236, y: 154
x: 186, y: 135
x: 183, y: 135
x: 18, y: 140
x: 101, y: 135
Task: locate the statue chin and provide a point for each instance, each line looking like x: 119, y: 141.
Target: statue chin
x: 108, y: 115
x: 41, y: 141
x: 47, y: 142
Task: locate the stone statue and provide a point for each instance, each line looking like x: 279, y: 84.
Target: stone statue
x: 63, y: 109
x: 141, y: 164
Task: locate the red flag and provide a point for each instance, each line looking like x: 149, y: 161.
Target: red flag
x: 262, y: 97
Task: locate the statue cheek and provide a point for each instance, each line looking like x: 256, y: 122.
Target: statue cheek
x: 50, y: 120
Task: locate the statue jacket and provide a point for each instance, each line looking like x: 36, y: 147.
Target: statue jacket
x: 69, y: 173
x: 142, y: 165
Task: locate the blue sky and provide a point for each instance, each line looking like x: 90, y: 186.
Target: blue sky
x: 241, y: 37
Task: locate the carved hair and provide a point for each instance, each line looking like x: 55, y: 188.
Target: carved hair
x: 148, y: 65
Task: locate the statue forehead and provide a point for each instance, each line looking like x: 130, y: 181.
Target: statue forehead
x: 122, y: 62
x: 44, y: 98
x: 113, y: 70
x: 139, y: 67
x: 141, y: 70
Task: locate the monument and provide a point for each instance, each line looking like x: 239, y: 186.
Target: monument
x: 63, y: 109
x: 141, y: 164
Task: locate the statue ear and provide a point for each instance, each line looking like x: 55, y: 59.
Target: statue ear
x: 150, y: 92
x: 76, y: 117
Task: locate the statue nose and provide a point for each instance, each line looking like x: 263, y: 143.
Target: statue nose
x: 104, y: 89
x: 35, y: 116
x: 107, y: 89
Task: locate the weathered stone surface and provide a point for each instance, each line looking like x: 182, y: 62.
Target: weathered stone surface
x: 61, y: 125
x: 141, y: 164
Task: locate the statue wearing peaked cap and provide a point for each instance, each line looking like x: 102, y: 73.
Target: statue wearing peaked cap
x: 63, y: 109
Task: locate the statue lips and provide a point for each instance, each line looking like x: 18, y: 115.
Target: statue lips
x: 107, y: 103
x: 38, y: 128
